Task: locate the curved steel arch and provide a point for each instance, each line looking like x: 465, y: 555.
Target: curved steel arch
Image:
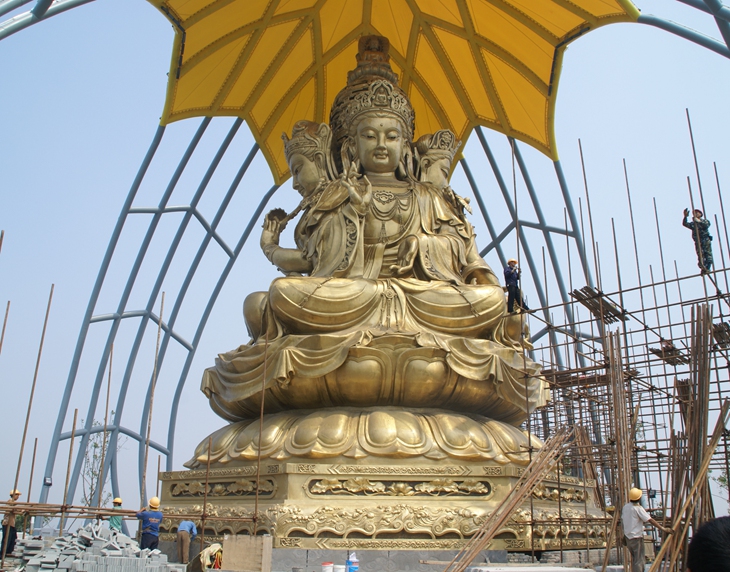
x: 46, y: 8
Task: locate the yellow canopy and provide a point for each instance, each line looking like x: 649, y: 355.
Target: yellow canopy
x: 462, y: 62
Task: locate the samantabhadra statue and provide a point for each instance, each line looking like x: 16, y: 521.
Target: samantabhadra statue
x: 394, y: 381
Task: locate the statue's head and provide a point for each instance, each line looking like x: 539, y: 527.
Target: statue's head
x: 308, y: 155
x: 435, y: 153
x: 372, y: 104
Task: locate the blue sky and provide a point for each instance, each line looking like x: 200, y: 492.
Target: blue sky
x: 81, y: 99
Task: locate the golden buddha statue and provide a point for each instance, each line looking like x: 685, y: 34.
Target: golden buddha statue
x: 393, y: 380
x: 385, y: 302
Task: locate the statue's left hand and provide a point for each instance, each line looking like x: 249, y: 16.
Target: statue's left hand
x: 272, y: 231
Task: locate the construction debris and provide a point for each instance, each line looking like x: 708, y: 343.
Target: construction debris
x: 599, y: 305
x: 92, y: 548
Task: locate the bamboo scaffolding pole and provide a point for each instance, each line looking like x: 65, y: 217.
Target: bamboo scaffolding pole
x: 205, y: 496
x: 32, y: 388
x: 681, y: 517
x: 68, y: 472
x: 543, y: 461
x: 261, y: 432
x: 30, y: 482
x: 104, y: 444
x: 153, y: 384
x: 5, y: 323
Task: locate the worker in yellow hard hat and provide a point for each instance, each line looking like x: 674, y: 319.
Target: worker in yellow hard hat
x: 150, y: 526
x: 115, y: 522
x: 633, y: 518
x: 10, y: 534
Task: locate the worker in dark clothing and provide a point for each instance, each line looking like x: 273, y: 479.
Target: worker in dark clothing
x: 700, y: 228
x: 512, y: 281
x: 150, y: 525
x: 9, y: 532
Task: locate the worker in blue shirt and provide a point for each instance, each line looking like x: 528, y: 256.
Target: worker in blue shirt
x: 150, y: 526
x: 186, y: 532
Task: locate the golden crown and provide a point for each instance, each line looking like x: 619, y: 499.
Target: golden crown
x: 443, y: 143
x: 372, y: 86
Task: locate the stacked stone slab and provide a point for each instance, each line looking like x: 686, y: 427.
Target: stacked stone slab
x: 92, y: 548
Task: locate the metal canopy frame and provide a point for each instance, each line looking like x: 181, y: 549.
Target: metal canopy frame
x: 192, y: 218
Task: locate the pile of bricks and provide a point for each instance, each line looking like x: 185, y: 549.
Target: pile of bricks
x: 92, y: 548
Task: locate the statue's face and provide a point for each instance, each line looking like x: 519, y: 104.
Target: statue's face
x: 436, y: 172
x: 305, y: 173
x: 380, y: 144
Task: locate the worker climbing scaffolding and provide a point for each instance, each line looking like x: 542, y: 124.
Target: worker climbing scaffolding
x: 700, y: 228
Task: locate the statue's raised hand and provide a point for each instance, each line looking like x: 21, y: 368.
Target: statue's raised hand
x: 273, y: 228
x: 358, y: 198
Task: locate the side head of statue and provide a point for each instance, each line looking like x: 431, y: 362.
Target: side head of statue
x: 372, y: 92
x: 308, y: 154
x: 434, y: 157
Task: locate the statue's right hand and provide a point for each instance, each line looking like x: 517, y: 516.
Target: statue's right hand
x: 686, y: 212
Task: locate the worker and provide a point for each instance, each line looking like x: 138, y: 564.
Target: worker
x: 633, y: 517
x: 150, y: 525
x: 700, y: 228
x: 10, y: 534
x: 512, y: 281
x: 709, y: 549
x: 115, y: 521
x: 186, y: 532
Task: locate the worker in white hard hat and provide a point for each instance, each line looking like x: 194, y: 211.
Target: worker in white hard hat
x: 115, y: 522
x: 633, y: 518
x: 150, y: 526
x: 10, y: 534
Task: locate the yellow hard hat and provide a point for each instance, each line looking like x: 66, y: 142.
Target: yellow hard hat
x: 15, y: 492
x: 117, y: 501
x: 154, y: 503
x: 635, y: 494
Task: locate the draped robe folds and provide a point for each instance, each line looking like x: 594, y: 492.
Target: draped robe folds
x: 352, y: 297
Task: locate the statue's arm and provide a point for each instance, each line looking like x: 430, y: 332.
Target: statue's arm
x: 285, y: 259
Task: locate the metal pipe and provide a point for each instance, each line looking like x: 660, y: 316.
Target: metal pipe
x: 206, y: 314
x: 40, y: 8
x: 686, y: 33
x: 76, y: 359
x: 7, y: 6
x: 22, y: 21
